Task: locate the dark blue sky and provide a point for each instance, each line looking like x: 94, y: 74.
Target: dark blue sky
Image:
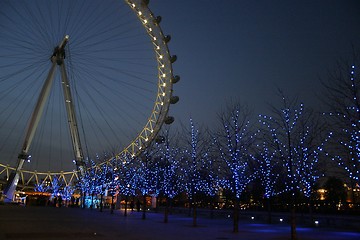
x: 245, y: 50
x: 227, y: 50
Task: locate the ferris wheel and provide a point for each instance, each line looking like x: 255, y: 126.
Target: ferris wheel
x: 79, y: 80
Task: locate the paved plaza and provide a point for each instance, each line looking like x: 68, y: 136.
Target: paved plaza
x: 18, y: 222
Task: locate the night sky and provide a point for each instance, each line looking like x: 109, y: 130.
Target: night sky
x: 246, y: 50
x: 228, y: 50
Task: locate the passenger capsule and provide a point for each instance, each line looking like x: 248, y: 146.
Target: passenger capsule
x: 167, y: 38
x: 173, y: 58
x: 175, y: 79
x: 169, y: 120
x: 157, y: 20
x: 174, y: 99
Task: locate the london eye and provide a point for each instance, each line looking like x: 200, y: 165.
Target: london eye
x: 78, y: 80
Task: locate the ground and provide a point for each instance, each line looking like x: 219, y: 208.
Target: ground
x: 19, y: 222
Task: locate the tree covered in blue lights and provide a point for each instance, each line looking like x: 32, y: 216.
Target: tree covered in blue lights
x: 342, y: 99
x: 57, y: 187
x: 196, y: 150
x: 268, y: 170
x: 143, y: 175
x: 211, y: 175
x: 88, y: 183
x: 170, y: 174
x: 233, y: 142
x: 127, y: 171
x: 67, y: 192
x: 104, y: 177
x: 297, y: 142
x: 42, y: 187
x: 155, y: 176
x: 167, y: 166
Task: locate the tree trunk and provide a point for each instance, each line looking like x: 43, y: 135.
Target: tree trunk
x: 236, y: 217
x: 144, y: 207
x: 194, y: 215
x: 126, y: 201
x: 112, y: 204
x: 101, y: 202
x: 190, y: 206
x: 268, y: 200
x: 293, y: 222
x: 92, y: 201
x: 212, y: 206
x: 83, y: 202
x: 293, y: 216
x: 166, y: 213
x: 157, y: 204
x: 311, y: 210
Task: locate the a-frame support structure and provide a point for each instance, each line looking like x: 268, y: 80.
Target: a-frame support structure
x: 57, y: 59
